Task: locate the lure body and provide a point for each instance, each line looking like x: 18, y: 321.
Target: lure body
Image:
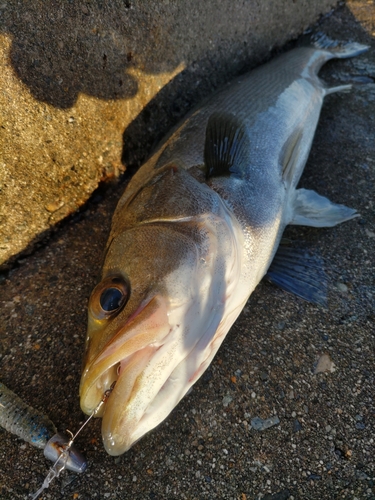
x: 29, y: 424
x: 21, y: 419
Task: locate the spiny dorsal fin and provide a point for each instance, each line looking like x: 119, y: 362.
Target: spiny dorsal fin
x: 226, y: 146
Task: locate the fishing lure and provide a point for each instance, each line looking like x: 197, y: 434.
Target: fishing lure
x: 29, y: 424
x: 62, y: 452
x: 21, y: 419
x: 26, y: 422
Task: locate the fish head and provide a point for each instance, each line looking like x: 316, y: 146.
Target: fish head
x: 157, y: 317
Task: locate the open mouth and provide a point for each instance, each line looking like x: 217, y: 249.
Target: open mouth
x: 141, y: 358
x: 153, y: 380
x: 125, y: 356
x: 154, y: 358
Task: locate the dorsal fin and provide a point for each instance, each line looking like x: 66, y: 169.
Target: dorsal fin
x: 226, y: 146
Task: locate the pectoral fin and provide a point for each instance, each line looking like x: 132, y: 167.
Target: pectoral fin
x: 290, y: 154
x: 299, y: 273
x: 311, y: 209
x: 226, y: 146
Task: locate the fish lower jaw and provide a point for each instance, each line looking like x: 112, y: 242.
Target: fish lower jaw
x: 138, y: 418
x: 143, y: 403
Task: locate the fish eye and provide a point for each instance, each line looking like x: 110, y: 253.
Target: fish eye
x: 109, y: 297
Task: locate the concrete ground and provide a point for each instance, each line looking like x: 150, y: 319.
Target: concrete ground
x: 323, y: 447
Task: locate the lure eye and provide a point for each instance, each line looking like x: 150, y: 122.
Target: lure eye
x: 109, y: 297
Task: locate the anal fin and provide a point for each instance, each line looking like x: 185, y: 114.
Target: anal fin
x: 297, y: 272
x: 311, y: 209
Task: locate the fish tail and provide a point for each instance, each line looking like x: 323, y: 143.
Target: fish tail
x: 336, y: 49
x: 340, y: 50
x: 321, y: 50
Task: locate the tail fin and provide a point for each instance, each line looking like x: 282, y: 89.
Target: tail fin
x: 341, y: 50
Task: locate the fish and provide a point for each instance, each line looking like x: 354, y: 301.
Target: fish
x: 197, y: 228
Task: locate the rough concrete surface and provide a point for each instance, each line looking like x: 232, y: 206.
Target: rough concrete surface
x: 311, y: 367
x: 75, y: 75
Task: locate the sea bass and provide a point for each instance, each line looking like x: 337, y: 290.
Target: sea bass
x: 196, y: 230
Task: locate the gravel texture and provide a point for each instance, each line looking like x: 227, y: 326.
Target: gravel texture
x: 311, y: 367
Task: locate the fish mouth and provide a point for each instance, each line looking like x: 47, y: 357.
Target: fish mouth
x: 122, y: 361
x: 154, y: 362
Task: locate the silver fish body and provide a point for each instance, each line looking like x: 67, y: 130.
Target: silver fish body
x: 195, y: 231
